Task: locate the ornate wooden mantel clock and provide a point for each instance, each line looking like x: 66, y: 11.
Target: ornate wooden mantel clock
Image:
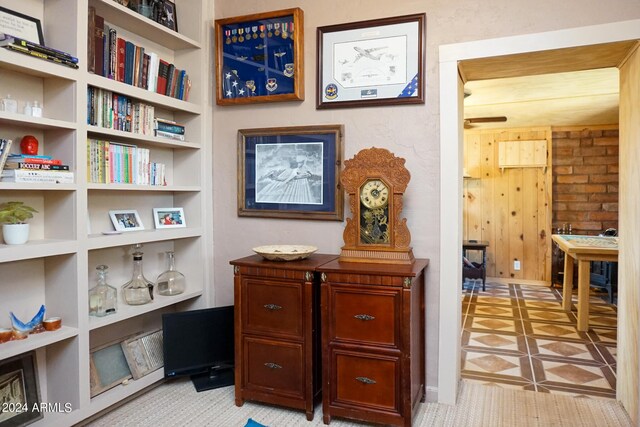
x: 375, y: 181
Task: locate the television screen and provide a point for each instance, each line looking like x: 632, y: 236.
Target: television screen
x: 199, y: 343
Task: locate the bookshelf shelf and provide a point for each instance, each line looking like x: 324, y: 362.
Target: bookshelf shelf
x: 99, y: 241
x: 144, y: 95
x: 129, y: 20
x: 36, y: 341
x: 128, y: 311
x: 131, y: 138
x: 56, y: 267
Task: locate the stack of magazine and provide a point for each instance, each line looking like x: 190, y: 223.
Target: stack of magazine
x: 35, y: 169
x: 26, y: 47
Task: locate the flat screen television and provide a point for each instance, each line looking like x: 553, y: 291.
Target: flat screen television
x: 199, y: 344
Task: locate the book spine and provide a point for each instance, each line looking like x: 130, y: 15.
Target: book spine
x: 113, y: 54
x: 39, y: 179
x: 120, y: 59
x: 4, y: 151
x: 105, y: 53
x: 35, y: 166
x: 183, y: 80
x: 91, y: 41
x: 163, y: 75
x: 99, y: 46
x: 35, y: 54
x: 128, y: 64
x: 19, y: 173
x: 145, y: 71
x: 154, y: 62
x: 45, y: 49
x: 169, y: 135
x: 167, y: 127
x: 170, y: 76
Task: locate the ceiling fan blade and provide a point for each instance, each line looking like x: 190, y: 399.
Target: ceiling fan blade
x: 486, y: 119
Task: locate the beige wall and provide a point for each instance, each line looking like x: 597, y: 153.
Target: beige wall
x: 411, y: 132
x: 628, y: 284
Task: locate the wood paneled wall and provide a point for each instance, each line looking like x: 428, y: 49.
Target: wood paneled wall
x: 629, y: 220
x: 511, y: 209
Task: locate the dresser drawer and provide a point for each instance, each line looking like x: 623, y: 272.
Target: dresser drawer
x: 366, y: 380
x: 272, y: 307
x: 365, y: 315
x: 273, y: 366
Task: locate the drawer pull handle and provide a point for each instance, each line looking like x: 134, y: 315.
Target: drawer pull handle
x: 272, y: 307
x: 364, y: 317
x: 272, y: 365
x: 365, y: 380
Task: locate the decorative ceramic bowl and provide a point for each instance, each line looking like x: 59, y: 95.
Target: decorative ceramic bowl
x: 285, y: 252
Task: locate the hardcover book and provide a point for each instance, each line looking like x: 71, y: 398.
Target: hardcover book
x: 120, y: 59
x: 91, y: 41
x: 98, y: 36
x: 163, y: 75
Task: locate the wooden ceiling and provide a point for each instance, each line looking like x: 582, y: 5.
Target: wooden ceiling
x: 563, y: 87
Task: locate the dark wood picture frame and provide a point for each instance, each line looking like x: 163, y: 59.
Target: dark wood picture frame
x: 267, y: 65
x: 22, y: 34
x: 169, y: 15
x: 291, y: 172
x: 19, y: 390
x: 371, y: 63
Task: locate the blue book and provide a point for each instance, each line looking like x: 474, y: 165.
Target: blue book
x: 15, y: 157
x: 129, y: 52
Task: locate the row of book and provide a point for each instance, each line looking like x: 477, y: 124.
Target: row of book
x: 119, y: 59
x: 35, y: 169
x: 26, y: 47
x: 109, y: 162
x: 112, y: 111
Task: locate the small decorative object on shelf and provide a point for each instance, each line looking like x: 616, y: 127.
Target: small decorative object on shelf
x: 103, y: 298
x: 24, y: 329
x: 13, y: 217
x: 169, y: 217
x: 171, y: 281
x: 29, y: 145
x: 36, y: 109
x: 52, y: 323
x: 138, y: 290
x: 6, y: 334
x: 9, y: 105
x: 285, y: 252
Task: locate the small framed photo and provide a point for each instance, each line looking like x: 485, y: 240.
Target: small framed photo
x: 169, y: 217
x: 167, y: 15
x: 367, y: 63
x: 126, y: 220
x: 291, y: 172
x: 22, y: 26
x: 19, y: 391
x: 108, y: 368
x: 260, y: 58
x: 144, y: 353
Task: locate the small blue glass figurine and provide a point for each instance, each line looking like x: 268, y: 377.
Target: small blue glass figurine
x: 26, y: 328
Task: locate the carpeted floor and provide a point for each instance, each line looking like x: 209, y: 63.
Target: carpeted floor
x: 178, y: 404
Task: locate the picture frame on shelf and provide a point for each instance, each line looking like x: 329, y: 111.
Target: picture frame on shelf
x: 291, y: 172
x: 167, y: 15
x: 371, y: 63
x: 260, y: 58
x: 144, y: 353
x: 126, y: 220
x: 169, y: 218
x: 108, y: 368
x: 20, y: 25
x: 19, y: 390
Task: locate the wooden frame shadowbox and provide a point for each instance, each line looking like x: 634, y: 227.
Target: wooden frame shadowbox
x: 19, y: 390
x: 260, y: 58
x: 291, y: 172
x: 371, y: 63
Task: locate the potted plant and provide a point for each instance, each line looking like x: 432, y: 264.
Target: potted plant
x: 13, y: 217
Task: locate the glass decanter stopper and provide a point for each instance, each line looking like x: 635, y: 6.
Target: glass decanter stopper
x: 138, y: 290
x: 171, y: 281
x: 103, y: 298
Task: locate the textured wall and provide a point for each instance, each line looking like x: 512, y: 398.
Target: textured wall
x: 409, y: 131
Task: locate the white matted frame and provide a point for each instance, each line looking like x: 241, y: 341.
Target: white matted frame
x: 169, y: 218
x: 126, y: 220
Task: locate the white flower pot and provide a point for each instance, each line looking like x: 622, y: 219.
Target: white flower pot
x: 15, y: 234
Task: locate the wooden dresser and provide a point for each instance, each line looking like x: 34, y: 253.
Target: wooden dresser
x: 277, y: 339
x: 373, y: 341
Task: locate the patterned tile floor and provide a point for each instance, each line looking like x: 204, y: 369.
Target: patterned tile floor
x: 518, y: 336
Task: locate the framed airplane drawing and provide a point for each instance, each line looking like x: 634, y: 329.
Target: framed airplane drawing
x: 377, y: 62
x: 259, y: 58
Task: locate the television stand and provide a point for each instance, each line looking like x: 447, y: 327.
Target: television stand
x: 215, y: 378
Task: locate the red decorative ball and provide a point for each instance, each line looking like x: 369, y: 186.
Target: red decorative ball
x: 29, y: 145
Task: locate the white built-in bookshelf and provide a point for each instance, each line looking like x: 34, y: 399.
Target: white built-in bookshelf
x: 57, y: 266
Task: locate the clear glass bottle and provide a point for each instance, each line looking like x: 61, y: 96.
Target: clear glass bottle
x: 103, y: 298
x: 36, y: 109
x: 138, y: 290
x: 171, y: 281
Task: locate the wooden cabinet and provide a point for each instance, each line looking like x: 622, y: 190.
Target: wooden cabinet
x: 277, y: 339
x: 373, y: 341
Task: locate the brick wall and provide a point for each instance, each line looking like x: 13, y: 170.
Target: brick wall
x: 585, y: 180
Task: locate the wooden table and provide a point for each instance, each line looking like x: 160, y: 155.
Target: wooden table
x: 584, y: 249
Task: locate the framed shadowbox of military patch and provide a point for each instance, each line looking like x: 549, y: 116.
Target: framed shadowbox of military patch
x: 367, y: 63
x: 259, y: 58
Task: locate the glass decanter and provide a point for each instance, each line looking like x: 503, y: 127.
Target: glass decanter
x: 103, y: 298
x: 171, y: 281
x: 138, y: 290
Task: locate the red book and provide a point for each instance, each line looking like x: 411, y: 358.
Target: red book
x: 121, y: 49
x: 99, y: 46
x: 41, y: 161
x: 163, y: 74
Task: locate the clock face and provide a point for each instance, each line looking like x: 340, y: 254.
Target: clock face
x: 374, y: 213
x: 374, y: 194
